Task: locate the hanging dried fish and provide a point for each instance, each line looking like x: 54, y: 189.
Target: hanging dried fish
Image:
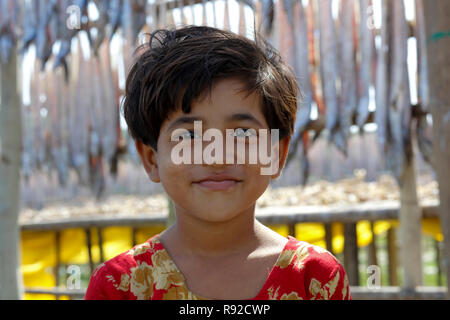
x: 347, y: 69
x: 301, y: 67
x: 38, y: 150
x: 170, y: 20
x: 96, y: 128
x: 204, y: 21
x: 183, y: 15
x: 138, y: 18
x: 382, y: 80
x: 103, y: 7
x: 115, y: 15
x: 314, y: 56
x: 213, y: 4
x: 191, y: 5
x: 58, y: 110
x: 8, y: 21
x: 66, y: 34
x: 150, y: 10
x: 79, y: 110
x: 29, y: 22
x: 267, y: 16
x: 45, y: 37
x: 399, y: 139
x: 162, y: 22
x: 424, y: 133
x: 242, y: 24
x: 366, y: 42
x: 109, y: 110
x: 328, y: 71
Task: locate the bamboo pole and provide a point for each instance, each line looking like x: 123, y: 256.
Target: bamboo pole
x: 438, y: 46
x: 410, y: 229
x: 351, y: 253
x: 10, y: 163
x: 392, y: 256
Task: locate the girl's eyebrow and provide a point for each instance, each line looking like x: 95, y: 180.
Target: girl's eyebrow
x: 243, y: 116
x: 231, y: 118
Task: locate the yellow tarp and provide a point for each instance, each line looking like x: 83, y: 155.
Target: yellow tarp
x: 39, y: 248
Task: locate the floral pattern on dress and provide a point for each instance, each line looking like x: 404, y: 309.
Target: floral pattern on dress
x: 145, y: 272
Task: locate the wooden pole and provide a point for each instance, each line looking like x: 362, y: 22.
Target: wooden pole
x: 437, y: 23
x: 10, y: 164
x: 392, y: 256
x: 351, y: 253
x: 410, y: 230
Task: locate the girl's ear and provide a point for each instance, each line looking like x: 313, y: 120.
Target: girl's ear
x: 149, y: 160
x: 282, y: 155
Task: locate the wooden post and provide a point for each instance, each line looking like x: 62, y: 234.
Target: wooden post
x: 10, y: 164
x: 100, y: 244
x: 372, y: 248
x: 392, y: 256
x: 58, y: 257
x: 351, y: 253
x: 410, y: 229
x: 329, y: 237
x: 89, y: 248
x: 438, y: 262
x: 438, y: 46
x: 291, y: 229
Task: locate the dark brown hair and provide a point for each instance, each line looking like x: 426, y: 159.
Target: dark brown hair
x: 177, y: 66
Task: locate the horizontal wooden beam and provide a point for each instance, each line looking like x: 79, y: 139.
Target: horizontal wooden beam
x: 373, y: 211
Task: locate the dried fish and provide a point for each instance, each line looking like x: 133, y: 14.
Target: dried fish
x: 150, y: 10
x: 347, y: 70
x: 115, y: 15
x: 213, y: 4
x: 191, y: 5
x: 138, y: 18
x: 183, y: 15
x: 424, y: 133
x: 366, y: 42
x: 381, y: 81
x: 109, y: 110
x: 301, y: 67
x: 226, y: 19
x: 8, y: 20
x: 79, y: 109
x: 242, y: 24
x: 399, y: 139
x: 267, y: 16
x: 29, y: 21
x: 101, y: 23
x: 204, y: 21
x: 328, y: 68
x: 45, y: 37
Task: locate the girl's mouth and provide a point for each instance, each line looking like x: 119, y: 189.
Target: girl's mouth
x: 222, y: 185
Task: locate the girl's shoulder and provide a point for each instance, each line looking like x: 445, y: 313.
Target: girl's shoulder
x: 314, y: 269
x: 112, y: 278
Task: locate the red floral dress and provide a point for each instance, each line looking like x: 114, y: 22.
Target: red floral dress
x: 147, y: 272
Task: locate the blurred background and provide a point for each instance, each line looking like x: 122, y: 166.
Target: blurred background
x: 366, y: 177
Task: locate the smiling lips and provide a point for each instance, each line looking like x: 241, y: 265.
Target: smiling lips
x: 218, y: 182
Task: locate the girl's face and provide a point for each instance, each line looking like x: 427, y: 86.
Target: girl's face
x: 222, y: 200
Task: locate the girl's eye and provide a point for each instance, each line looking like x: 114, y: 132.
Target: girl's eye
x: 189, y: 134
x: 244, y: 132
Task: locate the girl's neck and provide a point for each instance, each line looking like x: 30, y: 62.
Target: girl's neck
x: 191, y: 235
